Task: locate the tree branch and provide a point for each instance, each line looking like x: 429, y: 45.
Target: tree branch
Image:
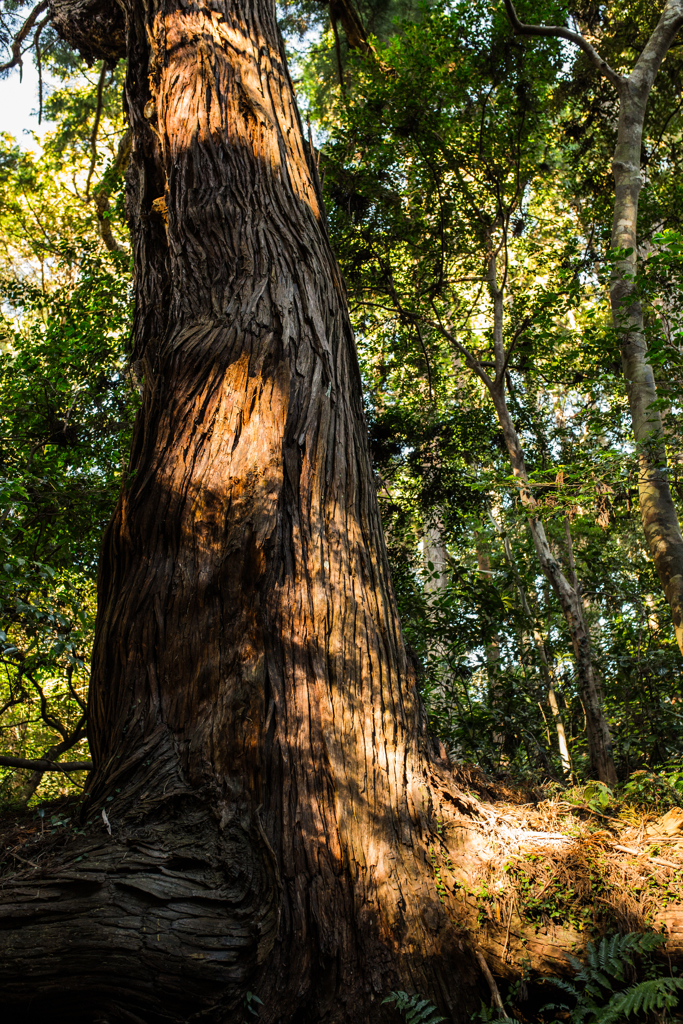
x: 658, y: 45
x: 101, y: 196
x: 42, y: 765
x: 95, y: 128
x: 21, y: 36
x: 470, y: 360
x: 564, y: 33
x: 96, y: 28
x: 44, y: 711
x: 357, y: 37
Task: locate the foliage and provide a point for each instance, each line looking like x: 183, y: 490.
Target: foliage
x: 415, y: 1009
x: 661, y: 790
x: 606, y: 987
x: 67, y: 408
x: 460, y: 134
x: 601, y: 988
x: 251, y: 1004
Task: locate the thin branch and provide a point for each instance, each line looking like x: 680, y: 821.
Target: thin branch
x: 495, y: 993
x: 470, y: 359
x: 11, y: 703
x: 44, y: 713
x: 42, y: 765
x: 95, y: 128
x: 79, y: 700
x: 21, y: 36
x: 50, y: 757
x: 39, y: 61
x: 101, y: 196
x: 564, y: 33
x: 424, y: 353
x: 526, y: 322
x: 22, y: 860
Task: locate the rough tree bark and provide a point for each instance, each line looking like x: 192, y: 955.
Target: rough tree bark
x: 658, y: 513
x: 264, y: 793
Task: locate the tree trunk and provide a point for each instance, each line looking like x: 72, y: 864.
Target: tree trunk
x: 492, y: 649
x: 546, y: 669
x: 264, y: 794
x: 658, y: 512
x: 598, y: 731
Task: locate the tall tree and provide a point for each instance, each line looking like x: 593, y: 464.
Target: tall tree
x: 470, y: 159
x: 264, y: 792
x: 658, y: 511
x: 266, y: 811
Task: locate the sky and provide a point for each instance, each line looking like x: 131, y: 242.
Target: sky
x: 19, y: 106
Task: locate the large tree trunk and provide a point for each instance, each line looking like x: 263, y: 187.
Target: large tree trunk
x: 260, y: 754
x: 266, y: 812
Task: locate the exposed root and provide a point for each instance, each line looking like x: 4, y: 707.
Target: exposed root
x: 524, y: 884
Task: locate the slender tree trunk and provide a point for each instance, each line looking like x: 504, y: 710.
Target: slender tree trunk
x: 493, y: 646
x: 555, y: 708
x: 658, y: 512
x: 433, y: 551
x: 546, y: 668
x: 598, y: 731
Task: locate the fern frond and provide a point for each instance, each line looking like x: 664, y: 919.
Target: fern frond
x: 612, y: 955
x: 602, y: 980
x: 605, y: 968
x: 415, y: 1009
x: 565, y: 986
x: 657, y: 994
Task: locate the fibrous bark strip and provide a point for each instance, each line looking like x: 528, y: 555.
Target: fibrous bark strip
x: 258, y: 745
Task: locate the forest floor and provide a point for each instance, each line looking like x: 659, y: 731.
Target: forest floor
x: 554, y: 869
x: 571, y: 858
x: 557, y: 869
x: 580, y: 856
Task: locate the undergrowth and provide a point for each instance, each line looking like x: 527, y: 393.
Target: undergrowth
x: 616, y: 866
x: 620, y: 980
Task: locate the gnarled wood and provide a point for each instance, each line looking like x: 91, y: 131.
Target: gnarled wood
x: 96, y: 28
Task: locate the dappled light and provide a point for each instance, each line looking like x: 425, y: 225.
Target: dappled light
x: 361, y: 591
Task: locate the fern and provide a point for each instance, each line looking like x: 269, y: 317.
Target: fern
x: 613, y: 955
x: 605, y: 969
x: 415, y: 1009
x: 656, y: 994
